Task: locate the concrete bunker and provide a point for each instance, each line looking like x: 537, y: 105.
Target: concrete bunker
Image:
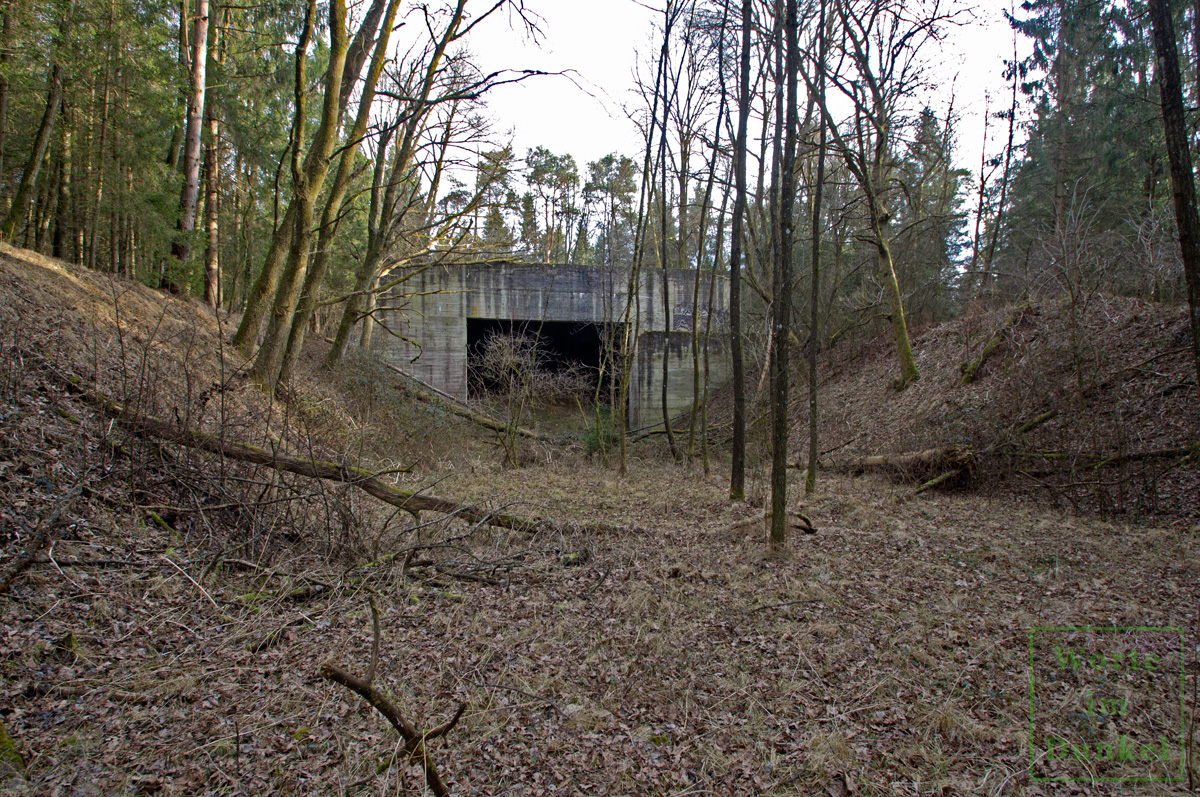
x: 441, y: 312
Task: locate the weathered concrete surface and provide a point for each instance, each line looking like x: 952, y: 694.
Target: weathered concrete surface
x: 431, y: 310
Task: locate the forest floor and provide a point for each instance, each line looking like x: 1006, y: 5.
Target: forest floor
x: 168, y: 638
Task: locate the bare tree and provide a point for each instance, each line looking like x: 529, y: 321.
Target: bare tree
x: 737, y: 477
x: 810, y: 479
x: 783, y: 283
x: 880, y: 45
x: 432, y: 79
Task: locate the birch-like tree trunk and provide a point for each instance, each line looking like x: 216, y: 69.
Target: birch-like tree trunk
x: 212, y: 207
x: 181, y: 247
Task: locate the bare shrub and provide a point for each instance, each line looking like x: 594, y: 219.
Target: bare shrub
x: 519, y: 375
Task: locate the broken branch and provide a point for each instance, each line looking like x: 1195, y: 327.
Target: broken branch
x: 414, y: 740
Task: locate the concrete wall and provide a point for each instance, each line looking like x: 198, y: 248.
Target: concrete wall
x: 431, y: 310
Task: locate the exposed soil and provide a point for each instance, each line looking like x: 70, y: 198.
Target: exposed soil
x: 169, y: 637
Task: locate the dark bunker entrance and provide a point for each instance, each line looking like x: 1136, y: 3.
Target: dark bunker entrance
x: 561, y: 345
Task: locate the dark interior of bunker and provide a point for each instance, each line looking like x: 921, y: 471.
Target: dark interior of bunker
x: 561, y: 345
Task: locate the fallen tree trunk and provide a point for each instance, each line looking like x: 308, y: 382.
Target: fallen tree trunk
x: 435, y: 396
x: 1097, y: 461
x: 971, y: 370
x: 318, y: 469
x: 411, y: 502
x: 1181, y: 452
x: 931, y: 459
x: 796, y: 522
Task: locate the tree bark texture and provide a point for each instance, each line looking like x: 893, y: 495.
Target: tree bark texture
x: 266, y: 286
x: 1182, y: 181
x: 810, y: 478
x: 20, y: 203
x: 181, y: 247
x: 308, y: 182
x: 333, y: 204
x: 212, y: 207
x: 783, y: 288
x: 737, y: 477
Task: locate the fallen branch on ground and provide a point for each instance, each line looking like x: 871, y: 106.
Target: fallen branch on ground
x: 1037, y: 421
x: 795, y: 522
x: 41, y: 536
x: 1097, y: 461
x: 936, y: 480
x: 415, y: 741
x: 413, y: 503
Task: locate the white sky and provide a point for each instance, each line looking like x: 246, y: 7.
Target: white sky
x: 600, y: 42
x: 580, y: 113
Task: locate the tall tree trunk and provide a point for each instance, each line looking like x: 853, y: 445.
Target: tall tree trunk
x: 366, y: 269
x: 173, y: 149
x: 737, y: 480
x: 4, y: 30
x: 45, y: 204
x: 368, y: 318
x: 631, y: 312
x: 333, y: 203
x: 891, y: 289
x: 662, y: 218
x: 20, y: 203
x: 181, y: 247
x: 698, y: 389
x: 814, y: 338
x: 264, y: 289
x: 1182, y: 181
x: 783, y: 289
x: 998, y: 222
x: 212, y: 208
x: 62, y: 221
x: 308, y: 182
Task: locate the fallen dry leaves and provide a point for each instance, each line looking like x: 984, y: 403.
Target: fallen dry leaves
x: 888, y: 654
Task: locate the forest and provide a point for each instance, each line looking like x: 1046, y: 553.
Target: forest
x: 243, y: 551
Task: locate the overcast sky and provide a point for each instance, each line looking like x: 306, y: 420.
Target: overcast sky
x: 599, y: 42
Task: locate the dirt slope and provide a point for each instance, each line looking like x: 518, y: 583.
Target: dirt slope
x: 1124, y: 392
x: 168, y: 639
